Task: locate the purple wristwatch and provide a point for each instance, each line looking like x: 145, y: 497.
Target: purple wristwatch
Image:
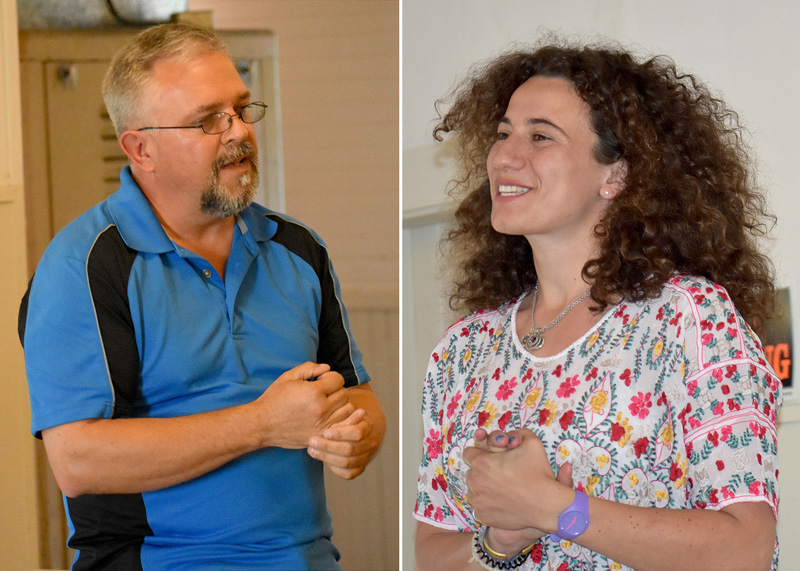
x: 574, y: 520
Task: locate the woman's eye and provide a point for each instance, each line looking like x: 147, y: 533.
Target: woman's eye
x: 502, y: 136
x: 540, y: 137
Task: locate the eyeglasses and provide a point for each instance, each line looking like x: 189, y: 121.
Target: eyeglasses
x: 221, y: 122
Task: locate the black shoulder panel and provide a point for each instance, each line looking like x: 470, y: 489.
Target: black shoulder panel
x: 334, y: 338
x: 108, y: 269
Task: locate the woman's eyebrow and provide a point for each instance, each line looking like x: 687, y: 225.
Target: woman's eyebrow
x: 534, y: 121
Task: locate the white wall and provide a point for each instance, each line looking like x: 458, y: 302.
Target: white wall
x: 747, y: 52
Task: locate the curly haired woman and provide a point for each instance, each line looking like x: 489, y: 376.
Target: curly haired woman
x: 607, y: 404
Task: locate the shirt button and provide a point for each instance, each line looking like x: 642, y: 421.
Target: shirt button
x: 206, y: 273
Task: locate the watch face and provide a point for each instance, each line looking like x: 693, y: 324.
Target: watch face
x: 571, y: 524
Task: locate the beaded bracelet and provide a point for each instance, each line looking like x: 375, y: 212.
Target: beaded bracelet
x: 491, y: 559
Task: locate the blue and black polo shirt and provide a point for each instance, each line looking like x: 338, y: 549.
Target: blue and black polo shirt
x: 120, y: 322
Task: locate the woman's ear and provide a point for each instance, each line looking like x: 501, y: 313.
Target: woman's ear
x: 134, y: 145
x: 615, y: 183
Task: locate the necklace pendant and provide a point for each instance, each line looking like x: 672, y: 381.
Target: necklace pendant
x: 533, y: 340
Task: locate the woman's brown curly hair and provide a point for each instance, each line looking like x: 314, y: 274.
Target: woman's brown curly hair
x: 691, y: 202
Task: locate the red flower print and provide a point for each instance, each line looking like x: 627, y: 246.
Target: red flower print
x: 453, y: 404
x: 675, y: 472
x: 504, y: 420
x: 557, y: 371
x: 640, y: 446
x: 438, y: 515
x: 566, y: 419
x: 699, y: 299
x: 544, y: 415
x: 450, y: 432
x: 484, y: 327
x: 483, y: 417
x: 730, y: 370
x: 439, y: 483
x: 660, y: 314
x: 434, y: 444
x: 720, y: 465
x: 496, y: 375
x: 705, y: 324
x: 640, y: 405
x: 617, y: 432
x: 755, y: 487
x: 662, y: 399
x: 725, y: 389
x: 726, y: 432
x: 435, y: 358
x: 717, y: 374
x: 712, y: 497
x: 464, y: 332
x: 713, y: 437
x: 567, y: 387
x: 592, y: 374
x: 537, y: 553
x: 626, y: 376
x: 563, y: 567
x: 528, y: 375
x: 506, y: 389
x: 726, y: 493
x: 719, y: 408
x: 428, y: 510
x: 707, y: 338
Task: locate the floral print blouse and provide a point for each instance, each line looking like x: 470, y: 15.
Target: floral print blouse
x: 668, y: 403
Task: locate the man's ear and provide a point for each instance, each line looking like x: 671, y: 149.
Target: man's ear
x: 135, y: 145
x: 615, y: 183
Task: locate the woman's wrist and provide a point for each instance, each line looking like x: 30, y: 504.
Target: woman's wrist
x: 510, y: 542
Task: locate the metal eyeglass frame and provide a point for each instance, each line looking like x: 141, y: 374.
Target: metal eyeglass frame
x: 259, y: 108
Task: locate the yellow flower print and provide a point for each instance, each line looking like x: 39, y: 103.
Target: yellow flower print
x: 473, y: 400
x: 563, y: 451
x: 661, y: 495
x: 615, y: 566
x: 658, y: 348
x: 667, y: 434
x: 532, y: 398
x: 551, y: 406
x: 439, y: 470
x: 467, y: 355
x: 603, y: 459
x: 599, y: 401
x: 625, y: 340
x: 682, y: 370
x: 634, y: 479
x: 679, y: 466
x: 445, y: 355
x: 591, y: 482
x: 623, y: 422
x: 593, y: 339
x: 633, y: 322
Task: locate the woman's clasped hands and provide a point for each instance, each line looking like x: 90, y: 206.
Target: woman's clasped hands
x: 512, y: 488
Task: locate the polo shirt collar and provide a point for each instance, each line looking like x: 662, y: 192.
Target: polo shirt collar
x: 141, y: 230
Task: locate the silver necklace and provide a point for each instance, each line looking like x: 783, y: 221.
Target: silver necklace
x: 535, y: 338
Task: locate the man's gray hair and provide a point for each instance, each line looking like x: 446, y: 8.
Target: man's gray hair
x: 131, y: 68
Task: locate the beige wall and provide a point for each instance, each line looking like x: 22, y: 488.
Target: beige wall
x: 18, y: 532
x: 338, y: 71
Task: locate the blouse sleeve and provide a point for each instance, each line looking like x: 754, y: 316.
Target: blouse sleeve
x: 436, y: 505
x: 733, y: 398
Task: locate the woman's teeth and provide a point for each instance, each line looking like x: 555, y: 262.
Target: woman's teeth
x: 511, y: 190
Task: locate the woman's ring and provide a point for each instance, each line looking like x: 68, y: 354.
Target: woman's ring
x: 474, y: 517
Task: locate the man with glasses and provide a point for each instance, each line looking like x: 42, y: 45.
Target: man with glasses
x: 189, y: 359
